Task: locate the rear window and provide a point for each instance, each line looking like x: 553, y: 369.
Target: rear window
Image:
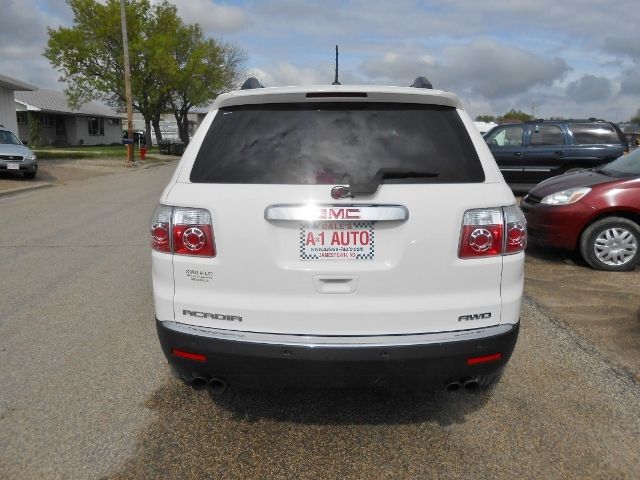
x: 330, y: 143
x: 594, y: 134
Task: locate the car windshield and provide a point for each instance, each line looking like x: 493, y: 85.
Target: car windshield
x: 8, y: 138
x: 625, y: 166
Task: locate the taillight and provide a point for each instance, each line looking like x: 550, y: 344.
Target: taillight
x: 516, y: 228
x: 192, y: 232
x: 184, y: 231
x: 492, y: 231
x: 161, y: 229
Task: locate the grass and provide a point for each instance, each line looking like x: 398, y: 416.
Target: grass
x: 89, y: 152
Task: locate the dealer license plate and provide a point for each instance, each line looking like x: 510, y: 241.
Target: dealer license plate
x: 337, y: 241
x: 13, y: 166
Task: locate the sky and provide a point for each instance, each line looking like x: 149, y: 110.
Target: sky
x: 569, y: 58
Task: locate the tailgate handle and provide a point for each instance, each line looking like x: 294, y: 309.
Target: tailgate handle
x: 336, y: 213
x: 335, y: 284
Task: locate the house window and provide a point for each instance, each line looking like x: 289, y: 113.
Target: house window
x: 96, y: 126
x: 114, y: 122
x: 60, y: 127
x: 22, y: 118
x: 46, y: 121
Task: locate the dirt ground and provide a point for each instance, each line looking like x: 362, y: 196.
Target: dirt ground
x: 601, y: 307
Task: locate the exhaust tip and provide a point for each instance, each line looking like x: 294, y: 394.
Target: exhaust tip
x: 471, y: 385
x: 452, y: 387
x: 217, y: 386
x: 198, y: 383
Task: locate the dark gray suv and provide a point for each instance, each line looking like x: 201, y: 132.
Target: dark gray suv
x: 14, y: 156
x: 530, y: 152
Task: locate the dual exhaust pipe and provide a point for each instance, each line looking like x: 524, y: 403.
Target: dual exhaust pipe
x: 217, y: 386
x: 468, y: 384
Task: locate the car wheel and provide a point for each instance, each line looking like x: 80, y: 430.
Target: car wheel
x: 611, y: 244
x: 29, y: 175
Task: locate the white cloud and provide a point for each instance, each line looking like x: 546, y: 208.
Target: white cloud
x: 485, y: 68
x: 215, y: 18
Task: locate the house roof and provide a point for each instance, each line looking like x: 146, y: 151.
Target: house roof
x: 56, y: 102
x: 13, y: 84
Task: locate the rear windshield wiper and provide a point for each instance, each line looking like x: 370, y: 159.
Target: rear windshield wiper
x: 371, y: 187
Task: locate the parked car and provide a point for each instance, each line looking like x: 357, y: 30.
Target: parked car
x: 337, y: 236
x: 530, y: 152
x: 595, y: 211
x: 16, y: 157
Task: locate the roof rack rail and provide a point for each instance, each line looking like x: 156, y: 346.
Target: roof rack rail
x: 251, y: 83
x: 421, y: 82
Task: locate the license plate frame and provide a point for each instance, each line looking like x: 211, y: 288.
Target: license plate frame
x: 13, y: 166
x: 341, y: 241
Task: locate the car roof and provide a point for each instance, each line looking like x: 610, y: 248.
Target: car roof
x: 337, y: 93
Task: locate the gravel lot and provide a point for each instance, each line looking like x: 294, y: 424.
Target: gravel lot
x: 86, y: 393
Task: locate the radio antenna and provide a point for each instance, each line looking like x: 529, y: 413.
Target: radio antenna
x: 336, y: 82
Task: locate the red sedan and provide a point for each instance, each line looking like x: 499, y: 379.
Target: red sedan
x: 596, y: 211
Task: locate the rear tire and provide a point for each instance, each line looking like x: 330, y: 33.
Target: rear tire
x: 611, y: 244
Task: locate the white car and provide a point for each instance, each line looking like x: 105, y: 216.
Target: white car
x: 338, y: 235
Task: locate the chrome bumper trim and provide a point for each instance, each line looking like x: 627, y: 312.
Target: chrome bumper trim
x: 312, y: 341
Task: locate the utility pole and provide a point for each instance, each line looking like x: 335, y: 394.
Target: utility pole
x: 127, y: 84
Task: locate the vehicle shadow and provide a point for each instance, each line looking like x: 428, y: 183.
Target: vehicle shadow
x: 252, y: 434
x: 351, y: 407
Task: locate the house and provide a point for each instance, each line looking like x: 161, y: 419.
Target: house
x: 8, y: 86
x: 168, y: 124
x: 45, y: 117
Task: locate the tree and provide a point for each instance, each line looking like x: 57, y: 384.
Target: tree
x: 485, y: 118
x: 517, y: 115
x: 89, y: 56
x: 203, y: 68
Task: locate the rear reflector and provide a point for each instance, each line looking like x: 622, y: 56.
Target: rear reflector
x: 198, y: 357
x: 484, y: 359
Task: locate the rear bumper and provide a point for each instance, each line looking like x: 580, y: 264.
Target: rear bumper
x: 262, y: 360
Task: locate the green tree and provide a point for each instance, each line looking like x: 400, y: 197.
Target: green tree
x: 485, y: 118
x: 89, y: 55
x: 202, y: 69
x: 517, y: 115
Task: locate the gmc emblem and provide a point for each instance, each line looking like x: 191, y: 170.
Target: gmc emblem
x: 339, y: 214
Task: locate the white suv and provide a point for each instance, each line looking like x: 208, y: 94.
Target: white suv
x: 338, y: 235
